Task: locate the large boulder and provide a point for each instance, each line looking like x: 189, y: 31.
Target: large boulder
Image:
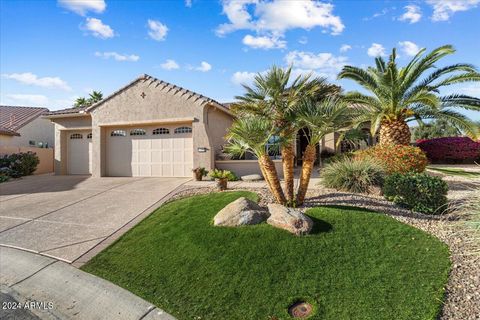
x: 240, y: 212
x: 252, y: 177
x: 289, y: 219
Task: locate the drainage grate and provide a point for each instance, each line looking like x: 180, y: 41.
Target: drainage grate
x: 300, y: 309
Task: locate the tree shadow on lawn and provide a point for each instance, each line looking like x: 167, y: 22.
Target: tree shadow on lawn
x: 320, y: 226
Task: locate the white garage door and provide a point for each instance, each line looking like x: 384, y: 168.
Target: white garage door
x: 150, y: 151
x: 79, y: 152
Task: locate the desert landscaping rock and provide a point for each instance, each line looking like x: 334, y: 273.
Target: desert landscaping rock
x: 252, y: 177
x: 289, y: 219
x: 240, y: 212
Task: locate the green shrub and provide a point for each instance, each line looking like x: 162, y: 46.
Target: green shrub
x: 354, y: 175
x: 396, y: 158
x: 417, y: 191
x: 222, y: 174
x: 20, y: 164
x: 338, y: 157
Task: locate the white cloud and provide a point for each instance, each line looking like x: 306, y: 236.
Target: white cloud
x: 169, y: 64
x: 376, y: 50
x: 444, y: 9
x: 98, y: 28
x: 274, y: 18
x: 303, y: 40
x: 188, y: 3
x: 263, y: 42
x: 345, y: 48
x: 413, y: 14
x: 323, y: 63
x: 204, y: 67
x: 28, y: 99
x: 117, y: 56
x: 243, y: 77
x: 32, y: 79
x: 377, y: 14
x: 81, y: 7
x: 409, y: 48
x: 469, y: 89
x: 157, y: 30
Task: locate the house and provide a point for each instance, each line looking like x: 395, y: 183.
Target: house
x: 147, y: 128
x: 25, y: 127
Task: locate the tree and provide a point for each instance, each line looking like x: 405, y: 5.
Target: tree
x: 94, y: 97
x: 80, y: 102
x: 251, y: 134
x: 436, y: 129
x: 399, y: 95
x: 274, y: 96
x: 320, y: 118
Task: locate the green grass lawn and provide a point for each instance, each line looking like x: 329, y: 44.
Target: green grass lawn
x: 457, y: 172
x: 355, y: 265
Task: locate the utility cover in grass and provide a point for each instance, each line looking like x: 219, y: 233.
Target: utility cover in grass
x: 354, y: 265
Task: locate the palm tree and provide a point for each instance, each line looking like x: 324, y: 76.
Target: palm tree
x: 80, y: 103
x: 95, y: 96
x: 251, y: 134
x: 274, y: 96
x: 320, y: 118
x: 399, y: 95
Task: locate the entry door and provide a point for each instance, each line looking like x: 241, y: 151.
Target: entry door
x: 79, y: 152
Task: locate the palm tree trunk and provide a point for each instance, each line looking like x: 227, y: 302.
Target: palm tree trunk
x: 307, y: 167
x: 271, y: 176
x: 395, y: 132
x: 265, y: 176
x: 288, y: 158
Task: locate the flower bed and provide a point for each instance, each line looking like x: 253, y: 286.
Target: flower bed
x: 451, y: 149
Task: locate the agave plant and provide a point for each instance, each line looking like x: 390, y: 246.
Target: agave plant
x: 402, y: 94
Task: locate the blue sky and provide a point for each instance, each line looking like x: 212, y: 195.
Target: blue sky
x: 54, y: 51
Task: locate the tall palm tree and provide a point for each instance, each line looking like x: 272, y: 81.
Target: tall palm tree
x: 274, y: 96
x: 251, y: 134
x: 95, y: 96
x: 320, y: 118
x: 80, y: 102
x: 402, y: 94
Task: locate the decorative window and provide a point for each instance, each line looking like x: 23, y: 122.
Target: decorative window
x: 76, y: 136
x: 32, y: 143
x: 118, y: 133
x: 183, y: 130
x: 161, y: 131
x: 89, y: 136
x: 138, y: 132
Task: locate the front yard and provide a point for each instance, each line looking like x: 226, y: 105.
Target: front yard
x: 355, y: 264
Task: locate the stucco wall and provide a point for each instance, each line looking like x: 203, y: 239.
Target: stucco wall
x: 218, y: 123
x: 246, y: 167
x: 45, y: 156
x: 38, y: 130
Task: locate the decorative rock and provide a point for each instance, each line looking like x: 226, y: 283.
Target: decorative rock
x: 240, y: 212
x: 252, y: 177
x: 289, y: 219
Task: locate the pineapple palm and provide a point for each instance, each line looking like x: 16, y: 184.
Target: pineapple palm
x: 321, y: 118
x: 274, y: 96
x: 399, y: 95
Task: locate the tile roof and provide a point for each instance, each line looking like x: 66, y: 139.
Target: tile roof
x: 67, y: 111
x: 13, y: 118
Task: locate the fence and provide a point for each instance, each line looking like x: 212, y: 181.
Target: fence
x: 45, y: 155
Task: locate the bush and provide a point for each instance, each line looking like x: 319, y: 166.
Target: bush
x: 20, y: 164
x: 417, y: 191
x: 338, y: 157
x: 354, y: 175
x: 451, y: 149
x: 396, y: 158
x: 223, y: 174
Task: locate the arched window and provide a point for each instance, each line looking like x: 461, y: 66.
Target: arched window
x: 161, y: 131
x: 183, y: 130
x: 118, y: 133
x: 76, y: 136
x: 89, y: 136
x: 138, y: 132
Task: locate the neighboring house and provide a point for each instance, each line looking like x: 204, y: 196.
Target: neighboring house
x: 147, y: 128
x: 25, y: 127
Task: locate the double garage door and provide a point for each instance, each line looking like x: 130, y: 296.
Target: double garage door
x: 161, y: 151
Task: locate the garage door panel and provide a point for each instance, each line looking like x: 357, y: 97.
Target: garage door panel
x: 79, y: 160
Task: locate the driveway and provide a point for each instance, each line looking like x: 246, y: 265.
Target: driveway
x: 72, y: 217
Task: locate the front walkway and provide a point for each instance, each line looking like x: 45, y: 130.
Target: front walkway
x: 61, y: 291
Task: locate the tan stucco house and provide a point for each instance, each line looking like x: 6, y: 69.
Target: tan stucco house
x: 25, y: 127
x: 147, y: 128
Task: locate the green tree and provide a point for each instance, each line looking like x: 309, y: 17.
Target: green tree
x: 94, y: 97
x: 402, y: 94
x: 435, y: 129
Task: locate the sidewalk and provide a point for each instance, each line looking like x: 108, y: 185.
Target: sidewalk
x: 62, y: 291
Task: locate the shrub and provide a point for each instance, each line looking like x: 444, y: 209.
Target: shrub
x: 417, y: 191
x: 20, y: 164
x: 223, y: 174
x: 451, y: 149
x: 396, y: 158
x: 338, y: 157
x: 354, y: 175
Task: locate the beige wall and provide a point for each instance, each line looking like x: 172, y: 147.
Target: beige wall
x: 218, y: 123
x: 246, y: 167
x: 45, y: 155
x: 38, y: 130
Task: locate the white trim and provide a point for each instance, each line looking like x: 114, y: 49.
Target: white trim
x: 244, y: 161
x: 74, y: 128
x: 66, y: 115
x: 147, y: 122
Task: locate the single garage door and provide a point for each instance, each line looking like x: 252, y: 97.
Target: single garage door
x: 165, y: 151
x: 79, y: 152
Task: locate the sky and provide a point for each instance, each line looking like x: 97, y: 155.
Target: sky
x: 52, y: 52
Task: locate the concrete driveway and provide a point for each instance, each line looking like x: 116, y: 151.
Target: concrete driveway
x: 73, y: 217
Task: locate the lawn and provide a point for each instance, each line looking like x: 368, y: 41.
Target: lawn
x: 355, y: 265
x: 457, y: 172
